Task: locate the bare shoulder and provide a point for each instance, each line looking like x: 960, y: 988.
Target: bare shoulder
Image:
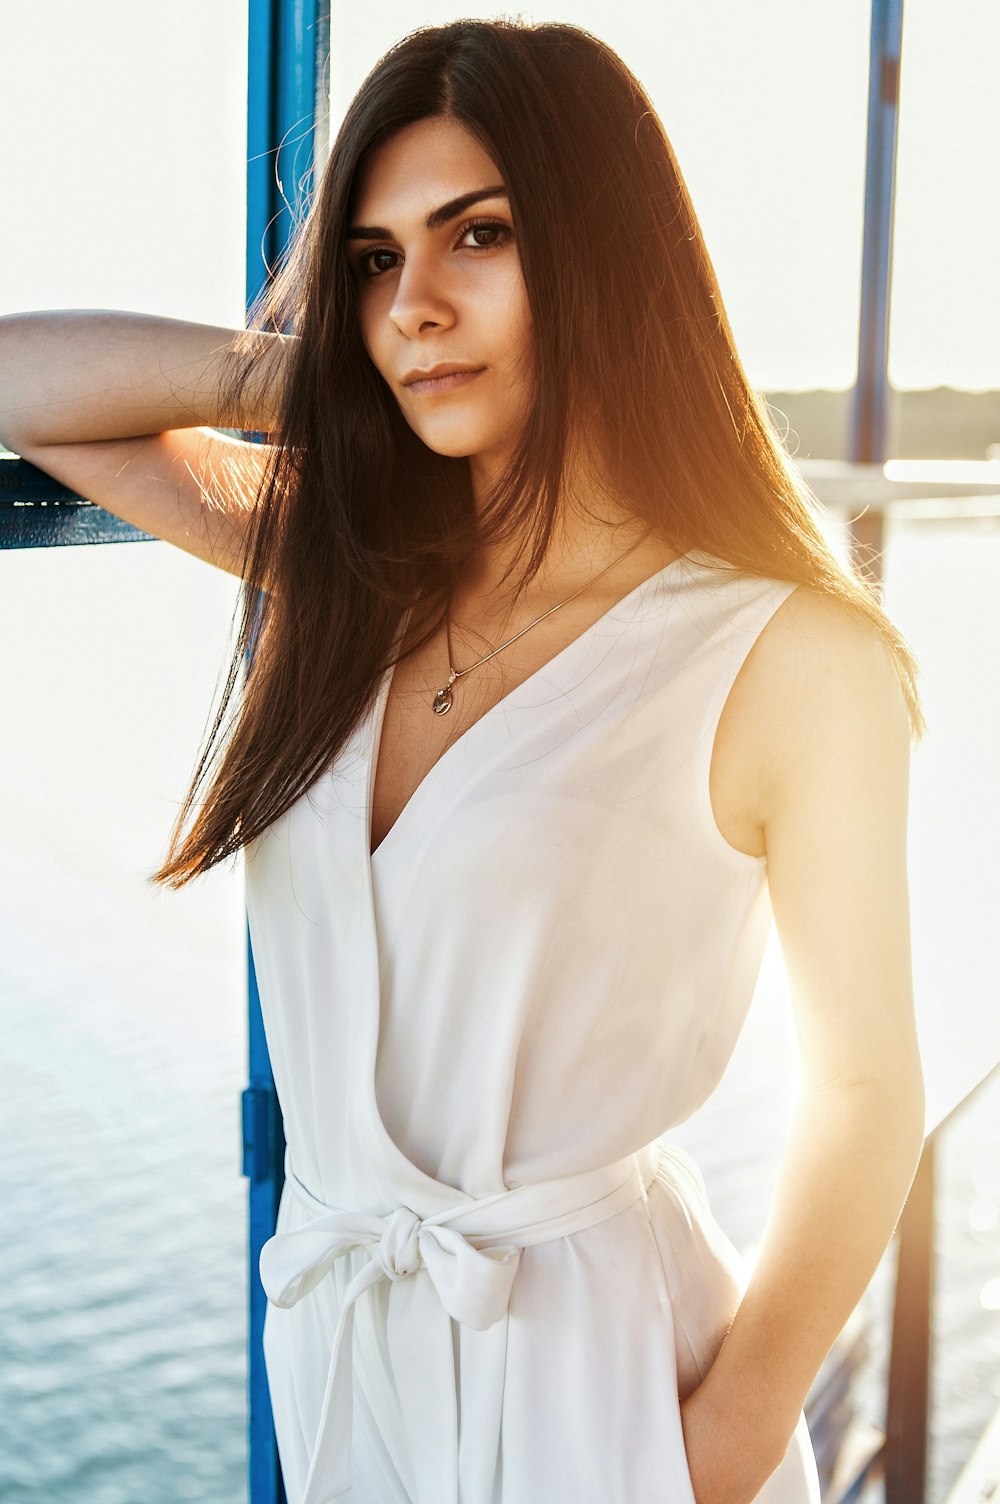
x: 818, y: 656
x: 817, y: 687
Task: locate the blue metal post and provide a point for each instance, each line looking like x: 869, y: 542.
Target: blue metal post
x: 286, y: 114
x: 263, y: 1148
x: 869, y: 415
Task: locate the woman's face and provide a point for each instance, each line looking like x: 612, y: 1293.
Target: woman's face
x: 431, y: 244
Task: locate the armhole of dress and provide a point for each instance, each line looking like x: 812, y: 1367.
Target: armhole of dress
x: 741, y: 639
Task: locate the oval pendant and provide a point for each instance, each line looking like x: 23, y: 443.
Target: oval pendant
x: 441, y: 702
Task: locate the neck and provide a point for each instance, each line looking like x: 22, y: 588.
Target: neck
x: 578, y: 550
x: 593, y: 529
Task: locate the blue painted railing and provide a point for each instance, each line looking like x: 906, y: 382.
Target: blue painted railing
x: 37, y: 512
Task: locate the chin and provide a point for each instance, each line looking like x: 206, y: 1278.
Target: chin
x: 461, y: 443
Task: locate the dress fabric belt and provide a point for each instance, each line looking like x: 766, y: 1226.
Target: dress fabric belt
x: 470, y: 1253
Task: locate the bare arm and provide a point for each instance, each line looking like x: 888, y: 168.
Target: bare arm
x: 76, y: 375
x: 833, y: 806
x: 121, y: 407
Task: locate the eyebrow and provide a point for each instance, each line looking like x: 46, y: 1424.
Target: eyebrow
x: 436, y: 218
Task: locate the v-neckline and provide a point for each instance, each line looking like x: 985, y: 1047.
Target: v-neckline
x: 374, y: 740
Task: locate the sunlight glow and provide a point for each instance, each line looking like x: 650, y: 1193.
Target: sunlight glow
x: 945, y: 472
x: 989, y: 1295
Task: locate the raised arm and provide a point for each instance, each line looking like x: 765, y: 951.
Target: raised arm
x: 122, y: 408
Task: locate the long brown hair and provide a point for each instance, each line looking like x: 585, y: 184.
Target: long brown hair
x: 357, y: 520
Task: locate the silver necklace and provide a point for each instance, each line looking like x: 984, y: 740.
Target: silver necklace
x: 442, y: 701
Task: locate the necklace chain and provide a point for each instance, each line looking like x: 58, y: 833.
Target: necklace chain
x: 442, y: 701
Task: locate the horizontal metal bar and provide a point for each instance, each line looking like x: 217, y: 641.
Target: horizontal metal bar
x: 21, y: 482
x: 38, y: 512
x: 899, y: 480
x: 59, y: 524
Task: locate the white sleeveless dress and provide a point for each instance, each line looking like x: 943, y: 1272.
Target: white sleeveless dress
x: 492, y: 1282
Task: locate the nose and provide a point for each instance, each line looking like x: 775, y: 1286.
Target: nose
x: 420, y: 304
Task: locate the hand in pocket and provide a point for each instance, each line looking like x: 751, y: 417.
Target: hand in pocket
x: 728, y: 1460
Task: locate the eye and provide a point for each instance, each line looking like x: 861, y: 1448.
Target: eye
x: 366, y: 262
x: 379, y: 259
x: 479, y: 227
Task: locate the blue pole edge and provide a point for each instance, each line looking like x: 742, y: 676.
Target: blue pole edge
x: 869, y: 418
x: 869, y: 415
x: 288, y: 43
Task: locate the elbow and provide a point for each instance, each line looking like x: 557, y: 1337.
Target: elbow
x: 894, y: 1105
x: 11, y: 440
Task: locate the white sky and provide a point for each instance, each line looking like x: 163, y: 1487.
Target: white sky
x: 122, y: 153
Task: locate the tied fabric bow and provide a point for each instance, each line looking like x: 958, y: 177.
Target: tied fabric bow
x: 472, y: 1286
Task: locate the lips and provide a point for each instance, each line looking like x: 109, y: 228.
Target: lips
x: 441, y: 378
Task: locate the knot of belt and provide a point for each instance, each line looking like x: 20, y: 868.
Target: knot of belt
x: 466, y: 1283
x: 398, y: 1249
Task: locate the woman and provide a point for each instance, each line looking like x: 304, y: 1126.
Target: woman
x: 556, y: 682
